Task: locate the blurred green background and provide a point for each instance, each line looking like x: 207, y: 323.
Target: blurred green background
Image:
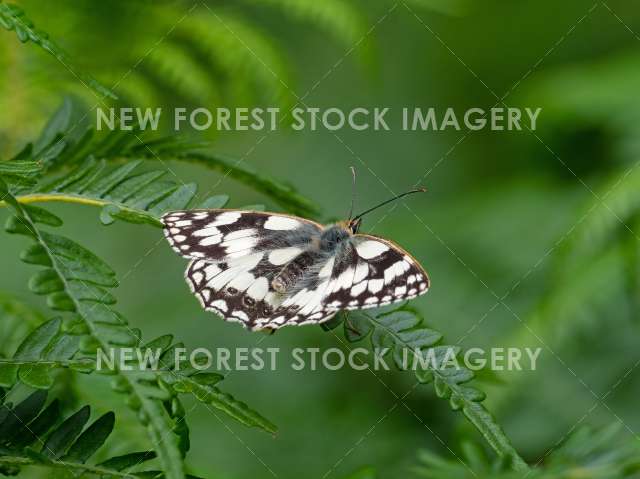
x: 530, y: 237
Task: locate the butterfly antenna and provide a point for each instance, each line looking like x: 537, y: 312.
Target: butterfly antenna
x: 353, y: 191
x: 410, y: 192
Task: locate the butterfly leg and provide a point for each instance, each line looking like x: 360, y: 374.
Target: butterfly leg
x: 267, y: 330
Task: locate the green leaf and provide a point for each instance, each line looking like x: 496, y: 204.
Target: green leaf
x: 224, y: 402
x: 40, y: 215
x: 126, y: 461
x: 39, y: 426
x: 91, y: 439
x: 56, y: 127
x: 37, y: 375
x: 214, y: 202
x: 20, y: 172
x: 21, y: 415
x: 36, y: 343
x: 177, y: 200
x: 62, y: 437
x: 23, y: 428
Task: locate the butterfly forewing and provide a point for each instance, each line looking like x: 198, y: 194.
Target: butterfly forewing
x: 216, y: 235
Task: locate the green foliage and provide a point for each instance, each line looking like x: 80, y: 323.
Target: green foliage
x: 587, y: 453
x: 402, y: 334
x: 19, y: 171
x: 43, y: 350
x: 17, y: 319
x: 341, y: 20
x: 249, y: 59
x: 82, y: 159
x: 75, y: 281
x: 13, y: 18
x: 33, y: 433
x: 362, y: 473
x: 594, y: 268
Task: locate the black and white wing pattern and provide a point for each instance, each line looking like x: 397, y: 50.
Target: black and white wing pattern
x: 218, y: 235
x: 374, y: 272
x: 268, y: 270
x: 235, y: 255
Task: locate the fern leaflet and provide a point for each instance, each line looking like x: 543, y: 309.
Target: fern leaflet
x: 401, y: 333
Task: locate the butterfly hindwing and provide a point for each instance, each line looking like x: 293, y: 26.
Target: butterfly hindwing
x: 240, y: 290
x: 237, y: 290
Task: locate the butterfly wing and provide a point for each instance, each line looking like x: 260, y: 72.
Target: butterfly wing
x: 235, y: 255
x: 217, y: 235
x: 374, y: 273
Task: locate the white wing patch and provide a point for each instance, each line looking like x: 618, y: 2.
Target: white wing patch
x: 370, y: 249
x: 283, y: 255
x: 281, y: 223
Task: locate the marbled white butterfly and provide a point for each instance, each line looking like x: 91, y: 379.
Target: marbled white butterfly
x: 268, y: 270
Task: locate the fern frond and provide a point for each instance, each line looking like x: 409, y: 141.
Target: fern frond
x: 401, y: 333
x: 171, y: 65
x: 34, y: 434
x: 247, y: 58
x: 13, y: 18
x: 340, y: 19
x: 76, y: 281
x: 594, y: 453
x: 201, y: 384
x: 284, y: 195
x: 121, y: 193
x: 139, y: 198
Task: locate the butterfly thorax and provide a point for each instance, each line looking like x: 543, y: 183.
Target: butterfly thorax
x: 328, y: 244
x: 332, y: 237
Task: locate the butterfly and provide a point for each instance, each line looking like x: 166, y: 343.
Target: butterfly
x: 269, y: 270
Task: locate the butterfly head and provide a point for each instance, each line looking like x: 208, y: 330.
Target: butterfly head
x: 353, y: 225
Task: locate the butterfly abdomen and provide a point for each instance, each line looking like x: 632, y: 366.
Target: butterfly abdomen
x: 292, y: 272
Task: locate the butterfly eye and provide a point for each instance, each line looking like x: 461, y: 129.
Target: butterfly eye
x: 232, y: 291
x: 267, y: 310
